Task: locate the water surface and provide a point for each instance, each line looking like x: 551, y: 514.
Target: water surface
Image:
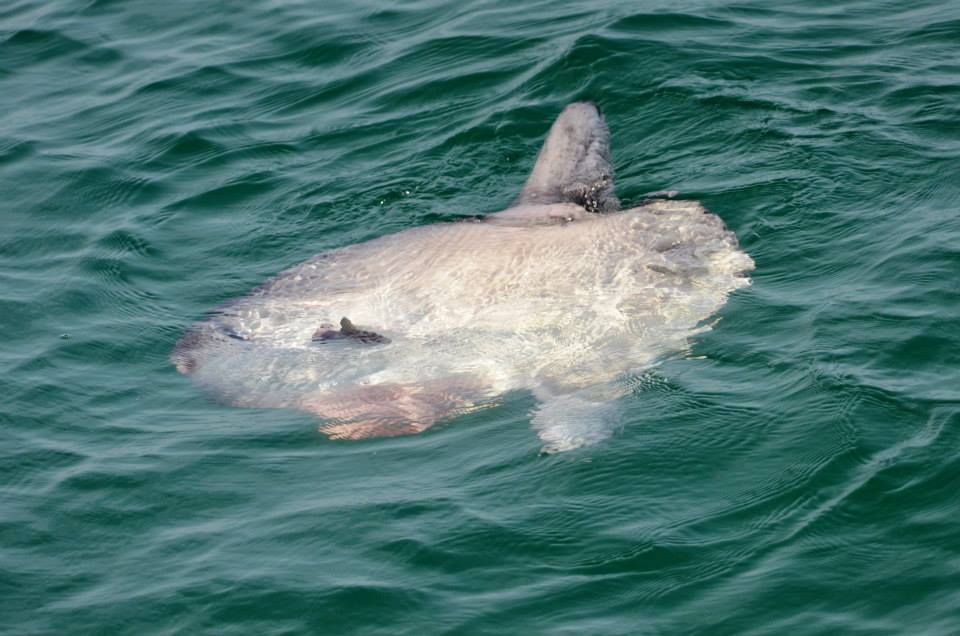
x: 794, y: 473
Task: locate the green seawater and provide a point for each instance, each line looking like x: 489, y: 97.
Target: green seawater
x: 796, y: 472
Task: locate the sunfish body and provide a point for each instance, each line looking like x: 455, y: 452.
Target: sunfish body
x: 560, y: 294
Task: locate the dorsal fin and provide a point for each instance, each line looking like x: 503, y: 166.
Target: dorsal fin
x: 574, y: 164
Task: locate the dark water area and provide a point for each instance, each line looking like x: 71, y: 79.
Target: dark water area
x: 796, y: 472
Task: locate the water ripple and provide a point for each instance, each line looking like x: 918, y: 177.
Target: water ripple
x: 793, y: 472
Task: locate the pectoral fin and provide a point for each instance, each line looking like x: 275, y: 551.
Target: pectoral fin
x: 348, y: 331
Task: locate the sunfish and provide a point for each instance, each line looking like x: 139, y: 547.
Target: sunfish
x: 561, y: 294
